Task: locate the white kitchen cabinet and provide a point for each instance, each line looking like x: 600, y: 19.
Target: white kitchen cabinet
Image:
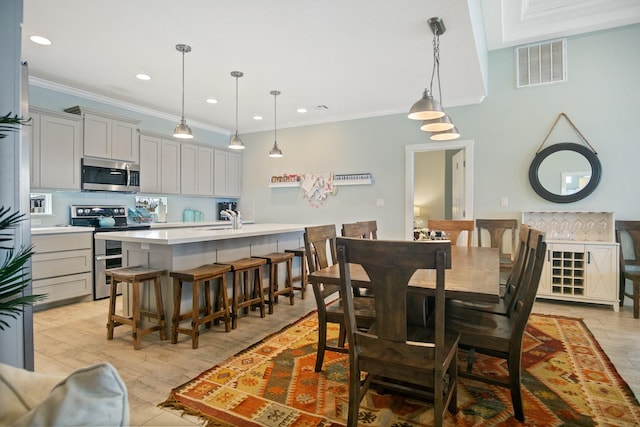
x: 62, y: 266
x: 108, y: 136
x: 56, y: 150
x: 196, y: 170
x: 582, y: 260
x: 227, y: 174
x: 159, y: 165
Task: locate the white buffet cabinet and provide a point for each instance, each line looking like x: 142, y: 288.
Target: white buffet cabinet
x: 582, y: 258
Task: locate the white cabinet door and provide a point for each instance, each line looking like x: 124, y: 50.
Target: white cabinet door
x: 150, y: 164
x: 227, y: 174
x: 170, y: 167
x: 189, y: 169
x: 124, y: 141
x: 235, y: 174
x: 60, y: 153
x: 97, y: 136
x: 205, y: 171
x: 602, y: 271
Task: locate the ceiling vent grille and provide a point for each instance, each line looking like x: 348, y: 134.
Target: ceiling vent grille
x: 542, y: 63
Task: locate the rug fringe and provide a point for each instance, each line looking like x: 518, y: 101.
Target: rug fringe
x: 172, y: 403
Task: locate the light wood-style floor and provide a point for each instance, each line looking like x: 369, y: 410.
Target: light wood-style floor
x: 72, y: 336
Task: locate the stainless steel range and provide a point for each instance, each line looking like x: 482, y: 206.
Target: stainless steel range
x: 106, y: 253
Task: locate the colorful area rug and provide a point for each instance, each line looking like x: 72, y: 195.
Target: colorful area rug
x: 567, y: 379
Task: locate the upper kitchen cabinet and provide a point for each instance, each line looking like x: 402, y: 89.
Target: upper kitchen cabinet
x: 227, y: 174
x: 159, y: 165
x: 108, y: 136
x: 56, y: 150
x: 196, y: 170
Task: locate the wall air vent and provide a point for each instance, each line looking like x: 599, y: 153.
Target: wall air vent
x: 541, y: 63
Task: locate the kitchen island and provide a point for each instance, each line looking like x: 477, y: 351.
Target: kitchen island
x: 180, y: 249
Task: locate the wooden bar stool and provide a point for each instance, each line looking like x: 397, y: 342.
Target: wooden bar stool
x: 252, y: 293
x: 136, y: 276
x: 302, y: 277
x: 203, y: 275
x: 273, y: 260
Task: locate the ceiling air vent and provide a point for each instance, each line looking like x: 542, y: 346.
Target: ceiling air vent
x: 542, y: 63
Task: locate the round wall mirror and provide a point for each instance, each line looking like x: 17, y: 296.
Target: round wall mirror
x: 565, y: 172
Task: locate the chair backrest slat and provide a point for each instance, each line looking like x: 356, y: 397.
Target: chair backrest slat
x: 453, y: 227
x: 390, y: 265
x: 497, y: 228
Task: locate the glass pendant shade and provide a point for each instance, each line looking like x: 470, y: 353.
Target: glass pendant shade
x: 182, y: 130
x: 426, y: 108
x: 275, y: 151
x: 236, y: 142
x: 446, y: 135
x: 437, y: 125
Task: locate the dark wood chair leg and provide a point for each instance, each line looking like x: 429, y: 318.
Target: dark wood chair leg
x: 322, y: 344
x: 160, y: 309
x: 514, y: 381
x: 636, y: 298
x: 177, y: 300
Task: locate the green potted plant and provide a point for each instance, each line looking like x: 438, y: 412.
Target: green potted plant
x: 13, y: 278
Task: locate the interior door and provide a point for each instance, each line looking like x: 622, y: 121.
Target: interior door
x: 458, y: 176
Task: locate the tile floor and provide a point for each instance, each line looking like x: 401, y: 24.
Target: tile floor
x: 73, y: 336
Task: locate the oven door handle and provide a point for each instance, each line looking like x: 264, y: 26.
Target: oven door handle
x: 106, y: 257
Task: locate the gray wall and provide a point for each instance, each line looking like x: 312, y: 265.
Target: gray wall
x: 600, y: 97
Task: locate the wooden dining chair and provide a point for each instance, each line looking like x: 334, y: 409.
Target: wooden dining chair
x: 372, y: 228
x: 453, y: 227
x: 501, y: 336
x: 320, y: 241
x: 355, y: 229
x: 629, y: 262
x: 497, y: 229
x: 513, y: 285
x: 394, y: 353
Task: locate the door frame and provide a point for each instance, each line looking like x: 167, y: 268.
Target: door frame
x: 410, y: 150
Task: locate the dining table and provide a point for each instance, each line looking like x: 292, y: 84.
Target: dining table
x: 474, y: 276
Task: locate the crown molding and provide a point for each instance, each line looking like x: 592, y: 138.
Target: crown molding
x: 57, y: 87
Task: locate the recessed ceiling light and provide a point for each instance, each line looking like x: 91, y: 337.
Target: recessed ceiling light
x: 141, y: 76
x: 257, y: 117
x: 301, y: 110
x: 40, y: 40
x: 212, y: 101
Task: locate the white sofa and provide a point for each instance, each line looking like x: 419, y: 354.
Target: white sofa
x: 90, y: 396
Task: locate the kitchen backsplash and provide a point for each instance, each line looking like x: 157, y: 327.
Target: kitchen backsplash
x: 62, y: 200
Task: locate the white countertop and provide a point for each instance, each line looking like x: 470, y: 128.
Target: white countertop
x: 60, y: 230
x: 177, y: 236
x: 159, y: 225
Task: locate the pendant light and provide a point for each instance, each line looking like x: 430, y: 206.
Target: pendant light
x: 275, y: 151
x: 182, y: 130
x: 428, y: 109
x: 236, y: 142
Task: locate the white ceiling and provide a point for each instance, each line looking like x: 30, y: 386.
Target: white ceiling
x: 359, y: 58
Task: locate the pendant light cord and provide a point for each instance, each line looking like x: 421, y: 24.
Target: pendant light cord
x: 275, y: 112
x: 436, y: 64
x: 183, y: 85
x: 236, y: 105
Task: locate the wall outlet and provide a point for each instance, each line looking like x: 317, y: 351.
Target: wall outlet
x: 504, y: 202
x: 379, y: 202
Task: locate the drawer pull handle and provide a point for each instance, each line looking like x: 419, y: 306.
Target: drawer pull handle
x: 106, y: 257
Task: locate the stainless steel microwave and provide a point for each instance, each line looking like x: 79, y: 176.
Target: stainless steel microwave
x: 110, y: 175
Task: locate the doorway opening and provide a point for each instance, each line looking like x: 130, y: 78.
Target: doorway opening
x: 464, y: 206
